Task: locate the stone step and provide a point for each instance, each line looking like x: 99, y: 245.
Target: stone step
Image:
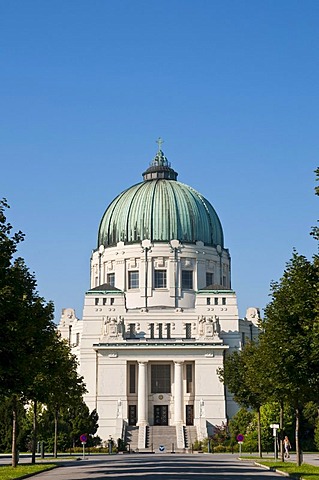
x: 132, y: 437
x: 161, y: 438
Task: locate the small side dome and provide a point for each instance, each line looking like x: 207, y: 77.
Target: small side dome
x: 161, y: 209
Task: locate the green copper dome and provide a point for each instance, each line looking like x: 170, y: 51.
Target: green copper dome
x: 160, y: 209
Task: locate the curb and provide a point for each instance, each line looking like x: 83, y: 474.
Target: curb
x: 276, y: 470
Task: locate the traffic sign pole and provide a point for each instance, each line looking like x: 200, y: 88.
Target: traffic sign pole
x: 83, y: 439
x: 240, y: 440
x: 275, y: 427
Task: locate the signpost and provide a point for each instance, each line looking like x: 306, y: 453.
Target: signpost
x: 240, y: 440
x: 83, y: 439
x: 275, y: 427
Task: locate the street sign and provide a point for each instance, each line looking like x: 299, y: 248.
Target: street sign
x: 240, y: 438
x: 83, y: 438
x: 274, y: 427
x: 161, y: 448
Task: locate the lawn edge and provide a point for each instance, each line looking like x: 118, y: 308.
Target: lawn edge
x: 277, y: 470
x: 28, y: 475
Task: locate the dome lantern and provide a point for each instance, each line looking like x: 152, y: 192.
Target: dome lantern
x: 160, y: 167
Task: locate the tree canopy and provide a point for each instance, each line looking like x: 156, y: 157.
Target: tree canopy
x: 35, y: 364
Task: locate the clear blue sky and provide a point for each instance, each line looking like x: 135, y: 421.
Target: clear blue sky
x: 86, y: 87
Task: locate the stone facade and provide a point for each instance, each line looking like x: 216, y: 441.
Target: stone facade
x: 158, y: 320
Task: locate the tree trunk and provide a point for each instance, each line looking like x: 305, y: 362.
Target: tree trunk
x: 35, y: 430
x: 55, y: 448
x: 281, y: 425
x: 56, y: 418
x: 298, y: 452
x: 259, y: 433
x: 14, y: 432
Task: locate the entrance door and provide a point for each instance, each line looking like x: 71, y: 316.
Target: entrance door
x: 160, y: 414
x: 132, y: 415
x: 189, y: 414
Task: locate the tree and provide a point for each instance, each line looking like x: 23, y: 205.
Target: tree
x: 66, y: 387
x: 290, y: 337
x: 80, y: 420
x: 6, y: 425
x: 315, y: 230
x: 243, y: 377
x: 240, y: 423
x: 26, y: 327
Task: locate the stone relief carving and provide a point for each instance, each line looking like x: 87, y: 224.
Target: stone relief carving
x: 253, y: 314
x: 209, y: 327
x: 68, y: 314
x: 114, y: 327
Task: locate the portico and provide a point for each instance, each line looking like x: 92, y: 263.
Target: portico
x: 167, y: 389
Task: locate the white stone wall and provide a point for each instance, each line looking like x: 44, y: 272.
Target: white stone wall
x: 124, y: 258
x: 102, y: 344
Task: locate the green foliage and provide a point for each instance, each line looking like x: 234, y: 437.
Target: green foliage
x: 309, y: 416
x: 121, y: 445
x: 74, y: 420
x: 315, y: 230
x: 241, y: 423
x: 23, y: 433
x: 245, y: 422
x: 35, y: 364
x: 197, y: 445
x: 290, y: 338
x: 283, y: 367
x: 243, y: 376
x: 80, y: 421
x: 251, y: 442
x: 316, y: 434
x: 220, y: 435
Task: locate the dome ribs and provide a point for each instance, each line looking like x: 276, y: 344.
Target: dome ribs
x: 160, y: 209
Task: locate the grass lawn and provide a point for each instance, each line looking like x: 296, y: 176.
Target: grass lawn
x: 305, y: 471
x: 10, y: 473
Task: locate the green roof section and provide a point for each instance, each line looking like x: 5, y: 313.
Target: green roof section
x: 104, y: 289
x: 160, y: 209
x: 215, y: 288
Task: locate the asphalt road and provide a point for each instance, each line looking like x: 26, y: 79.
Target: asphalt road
x: 159, y: 467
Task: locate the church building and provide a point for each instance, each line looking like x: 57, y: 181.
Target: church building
x: 160, y: 315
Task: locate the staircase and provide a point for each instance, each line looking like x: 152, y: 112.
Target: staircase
x: 131, y: 438
x: 190, y: 436
x: 161, y: 437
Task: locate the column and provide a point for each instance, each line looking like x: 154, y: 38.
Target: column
x: 178, y: 393
x: 142, y: 394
